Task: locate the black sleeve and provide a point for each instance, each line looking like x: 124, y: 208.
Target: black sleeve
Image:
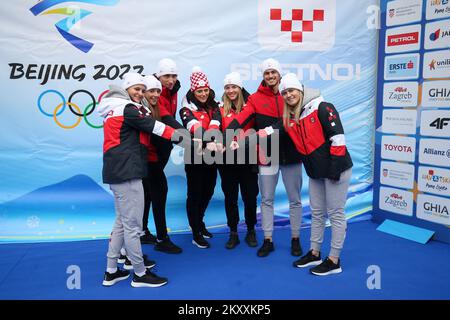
x: 334, y: 133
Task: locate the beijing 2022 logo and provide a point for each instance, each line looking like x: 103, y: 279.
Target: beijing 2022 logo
x: 74, y: 15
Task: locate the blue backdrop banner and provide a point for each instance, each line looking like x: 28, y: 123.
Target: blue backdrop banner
x: 57, y: 58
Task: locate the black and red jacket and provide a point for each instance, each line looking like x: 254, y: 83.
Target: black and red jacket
x: 168, y: 99
x: 266, y: 108
x: 126, y: 129
x: 197, y: 118
x: 225, y: 121
x: 156, y: 143
x: 319, y: 139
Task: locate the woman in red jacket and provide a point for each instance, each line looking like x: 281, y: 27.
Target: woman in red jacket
x: 197, y: 112
x: 318, y: 135
x: 236, y: 176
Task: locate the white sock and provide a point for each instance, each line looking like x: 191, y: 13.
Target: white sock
x: 123, y: 252
x: 140, y: 274
x: 111, y: 270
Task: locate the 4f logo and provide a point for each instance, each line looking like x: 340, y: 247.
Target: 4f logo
x: 440, y: 123
x: 73, y: 15
x: 301, y: 25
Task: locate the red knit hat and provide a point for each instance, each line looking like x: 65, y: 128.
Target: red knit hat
x: 198, y: 79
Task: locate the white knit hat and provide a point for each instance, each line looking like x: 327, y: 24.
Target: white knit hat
x: 131, y: 79
x: 152, y: 83
x: 233, y: 78
x: 271, y: 64
x: 290, y: 81
x: 166, y: 66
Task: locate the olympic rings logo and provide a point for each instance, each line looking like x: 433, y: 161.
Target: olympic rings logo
x: 73, y: 107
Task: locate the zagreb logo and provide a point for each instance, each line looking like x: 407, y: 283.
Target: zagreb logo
x: 297, y: 26
x: 73, y: 17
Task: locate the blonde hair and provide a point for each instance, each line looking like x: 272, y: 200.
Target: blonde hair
x: 228, y: 104
x: 295, y: 111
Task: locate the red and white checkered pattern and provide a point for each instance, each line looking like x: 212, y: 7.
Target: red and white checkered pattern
x: 198, y: 80
x: 297, y: 15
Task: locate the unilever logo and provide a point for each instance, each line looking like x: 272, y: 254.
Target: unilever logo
x: 73, y: 17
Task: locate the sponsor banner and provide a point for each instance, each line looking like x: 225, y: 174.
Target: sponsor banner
x: 434, y: 209
x: 300, y: 25
x: 435, y: 151
x: 397, y: 174
x: 399, y: 121
x: 398, y: 148
x: 438, y: 9
x: 396, y: 200
x: 403, y: 39
x: 436, y: 64
x: 436, y: 93
x: 403, y: 11
x: 434, y: 180
x: 437, y: 34
x: 400, y: 94
x: 435, y: 123
x: 402, y: 66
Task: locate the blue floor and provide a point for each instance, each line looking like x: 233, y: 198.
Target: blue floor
x: 408, y: 270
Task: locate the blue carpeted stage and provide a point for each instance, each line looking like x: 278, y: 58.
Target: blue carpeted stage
x: 408, y: 270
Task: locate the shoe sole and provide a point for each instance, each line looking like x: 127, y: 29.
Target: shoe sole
x: 113, y: 282
x: 335, y: 271
x: 126, y: 267
x: 312, y: 263
x: 252, y: 245
x: 200, y: 246
x: 120, y: 260
x: 207, y: 237
x: 169, y: 252
x: 229, y: 248
x: 146, y: 285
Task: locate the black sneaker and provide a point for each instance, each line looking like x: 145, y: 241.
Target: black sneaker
x: 200, y: 242
x: 250, y: 238
x: 122, y: 259
x: 327, y: 267
x: 233, y: 241
x: 149, y: 279
x: 296, y: 248
x: 266, y: 248
x: 148, y: 263
x: 148, y: 238
x: 308, y: 260
x: 206, y: 234
x: 167, y: 246
x: 112, y: 278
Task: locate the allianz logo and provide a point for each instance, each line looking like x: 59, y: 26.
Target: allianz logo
x: 437, y: 152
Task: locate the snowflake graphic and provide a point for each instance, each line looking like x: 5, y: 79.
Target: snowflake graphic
x: 33, y: 222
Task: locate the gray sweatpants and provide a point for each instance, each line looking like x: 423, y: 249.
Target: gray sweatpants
x: 292, y: 180
x: 326, y: 195
x: 127, y: 229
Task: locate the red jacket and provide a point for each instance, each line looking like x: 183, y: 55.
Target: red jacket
x: 319, y: 139
x: 126, y: 127
x: 266, y: 108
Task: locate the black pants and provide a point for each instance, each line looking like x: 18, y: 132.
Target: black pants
x: 155, y: 193
x: 201, y: 181
x: 246, y: 178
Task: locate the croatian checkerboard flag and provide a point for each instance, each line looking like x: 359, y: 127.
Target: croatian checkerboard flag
x: 301, y: 25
